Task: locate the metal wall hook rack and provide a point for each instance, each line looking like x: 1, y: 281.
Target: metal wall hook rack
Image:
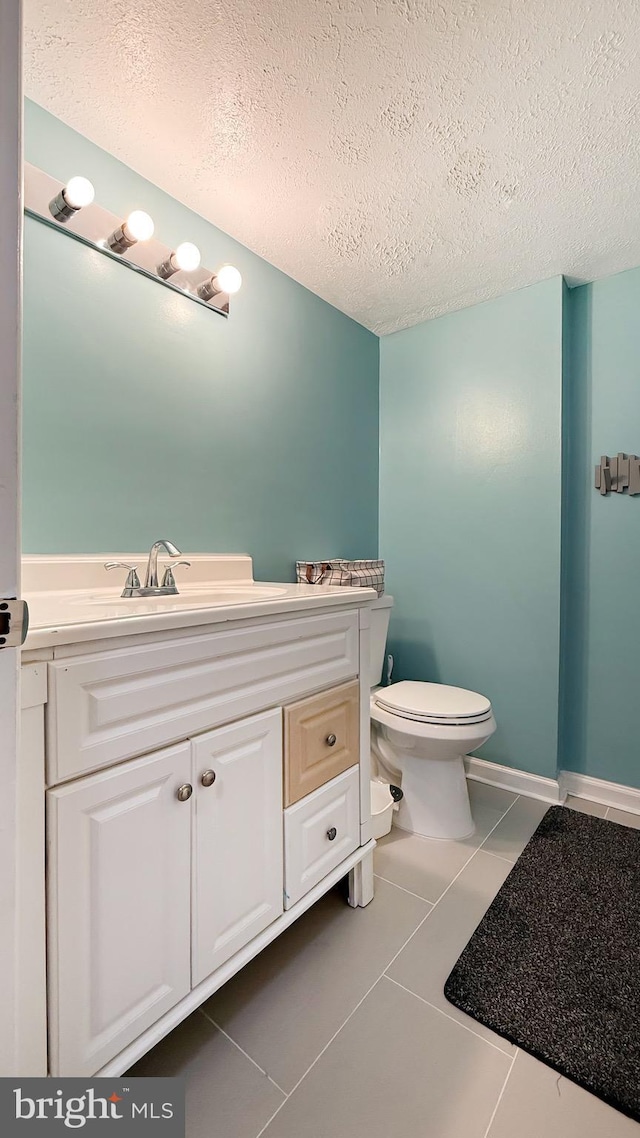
x: 618, y: 474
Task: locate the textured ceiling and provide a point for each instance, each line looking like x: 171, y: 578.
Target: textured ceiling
x: 401, y: 158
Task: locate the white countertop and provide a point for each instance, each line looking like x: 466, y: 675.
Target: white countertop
x: 75, y: 615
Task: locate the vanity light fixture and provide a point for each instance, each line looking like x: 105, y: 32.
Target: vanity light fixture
x: 227, y: 279
x: 185, y: 257
x: 138, y: 227
x: 60, y: 205
x: 77, y: 193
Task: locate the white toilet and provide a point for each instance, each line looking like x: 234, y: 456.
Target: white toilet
x: 421, y: 732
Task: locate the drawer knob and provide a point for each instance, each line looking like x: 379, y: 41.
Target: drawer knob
x: 208, y: 778
x: 184, y: 792
x: 331, y: 740
x: 332, y: 834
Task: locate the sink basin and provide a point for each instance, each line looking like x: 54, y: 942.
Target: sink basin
x: 187, y: 598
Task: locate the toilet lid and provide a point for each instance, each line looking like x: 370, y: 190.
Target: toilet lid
x: 434, y: 703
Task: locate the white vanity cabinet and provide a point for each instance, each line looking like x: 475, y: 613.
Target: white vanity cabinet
x: 204, y: 786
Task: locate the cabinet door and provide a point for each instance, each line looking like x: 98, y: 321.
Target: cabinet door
x: 119, y: 906
x: 237, y: 857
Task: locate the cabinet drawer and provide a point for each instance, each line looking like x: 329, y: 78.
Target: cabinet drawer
x: 319, y: 831
x: 322, y: 739
x: 108, y: 706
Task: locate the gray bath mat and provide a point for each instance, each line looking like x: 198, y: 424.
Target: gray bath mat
x: 554, y: 965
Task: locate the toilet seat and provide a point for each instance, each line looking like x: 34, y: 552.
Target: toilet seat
x: 438, y: 704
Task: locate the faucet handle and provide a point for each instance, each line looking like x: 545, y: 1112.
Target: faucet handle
x: 133, y: 581
x: 169, y: 581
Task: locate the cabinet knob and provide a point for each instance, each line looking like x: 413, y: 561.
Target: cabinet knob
x: 332, y: 833
x: 208, y: 778
x: 184, y: 792
x: 331, y: 740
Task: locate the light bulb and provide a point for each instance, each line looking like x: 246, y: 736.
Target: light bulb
x: 229, y: 279
x: 139, y: 226
x: 77, y: 193
x: 186, y: 257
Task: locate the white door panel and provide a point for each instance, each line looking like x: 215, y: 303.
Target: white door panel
x: 119, y: 907
x: 237, y: 857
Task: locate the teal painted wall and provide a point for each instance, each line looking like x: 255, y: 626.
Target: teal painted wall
x: 602, y: 644
x: 470, y: 510
x: 146, y: 415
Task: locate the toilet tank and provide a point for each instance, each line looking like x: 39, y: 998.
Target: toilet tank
x: 380, y: 613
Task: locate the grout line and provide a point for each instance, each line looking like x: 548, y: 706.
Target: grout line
x: 453, y: 880
x: 436, y: 903
x: 386, y: 880
x: 490, y: 853
x: 369, y: 990
x: 278, y: 1087
x: 504, y: 1087
x: 441, y: 1012
x: 485, y: 839
x: 500, y: 819
x: 383, y: 974
x: 606, y: 813
x: 312, y: 1065
x: 242, y: 1051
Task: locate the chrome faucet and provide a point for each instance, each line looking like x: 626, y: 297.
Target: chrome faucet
x: 151, y: 576
x: 151, y: 588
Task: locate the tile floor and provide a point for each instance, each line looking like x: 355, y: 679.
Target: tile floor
x: 340, y: 1027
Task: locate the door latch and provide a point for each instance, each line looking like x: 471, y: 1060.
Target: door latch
x: 14, y: 623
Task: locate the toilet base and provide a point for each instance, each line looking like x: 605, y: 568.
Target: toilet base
x: 436, y: 799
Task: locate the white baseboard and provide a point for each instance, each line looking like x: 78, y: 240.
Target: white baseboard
x: 599, y: 790
x: 554, y: 790
x: 518, y: 782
